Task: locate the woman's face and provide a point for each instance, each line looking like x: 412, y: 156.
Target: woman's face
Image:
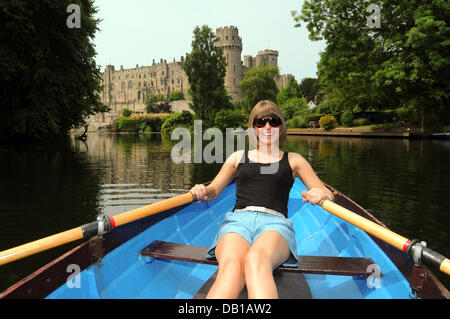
x: 267, y: 129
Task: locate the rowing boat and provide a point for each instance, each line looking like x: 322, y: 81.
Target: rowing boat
x: 162, y: 256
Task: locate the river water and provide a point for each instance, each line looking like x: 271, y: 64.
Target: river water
x: 49, y: 188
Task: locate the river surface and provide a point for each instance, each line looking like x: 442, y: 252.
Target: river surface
x: 49, y: 188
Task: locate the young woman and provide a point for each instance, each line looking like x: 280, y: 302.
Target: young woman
x: 257, y: 236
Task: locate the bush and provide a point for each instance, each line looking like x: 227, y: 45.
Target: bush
x: 183, y: 119
x: 127, y: 124
x: 313, y: 117
x: 230, y: 118
x: 298, y: 121
x: 360, y: 122
x: 405, y: 114
x: 126, y: 112
x: 175, y: 96
x: 292, y: 107
x: 328, y: 122
x: 347, y: 118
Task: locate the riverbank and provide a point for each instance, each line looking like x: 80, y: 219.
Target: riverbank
x: 399, y: 132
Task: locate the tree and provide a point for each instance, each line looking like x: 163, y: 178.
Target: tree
x: 49, y: 79
x: 205, y: 68
x: 292, y: 90
x: 258, y: 84
x: 402, y: 62
x: 310, y: 88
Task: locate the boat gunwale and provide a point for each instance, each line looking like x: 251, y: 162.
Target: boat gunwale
x: 52, y: 275
x: 432, y: 287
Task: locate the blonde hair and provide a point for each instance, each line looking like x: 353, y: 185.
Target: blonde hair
x: 262, y: 109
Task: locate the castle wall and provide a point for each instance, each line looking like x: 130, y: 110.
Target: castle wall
x: 128, y: 88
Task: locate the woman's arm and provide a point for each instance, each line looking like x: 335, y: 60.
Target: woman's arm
x: 303, y: 170
x: 222, y: 179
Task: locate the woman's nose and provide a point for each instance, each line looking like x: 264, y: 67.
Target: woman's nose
x: 267, y: 126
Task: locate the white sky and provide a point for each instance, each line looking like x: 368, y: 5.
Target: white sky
x: 138, y: 31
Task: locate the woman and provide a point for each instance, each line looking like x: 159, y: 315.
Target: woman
x: 257, y: 237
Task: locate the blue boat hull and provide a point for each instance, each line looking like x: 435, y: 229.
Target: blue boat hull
x: 124, y: 273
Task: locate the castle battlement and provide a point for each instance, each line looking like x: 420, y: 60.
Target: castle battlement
x: 268, y: 52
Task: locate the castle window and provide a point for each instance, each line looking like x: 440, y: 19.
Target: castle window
x: 162, y: 72
x: 172, y: 81
x: 140, y: 84
x: 123, y: 85
x: 112, y: 86
x: 226, y: 37
x: 139, y: 95
x: 130, y: 85
x: 139, y: 76
x: 179, y: 81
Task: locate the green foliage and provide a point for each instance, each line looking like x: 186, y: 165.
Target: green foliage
x: 328, y: 122
x: 310, y: 88
x: 292, y: 107
x: 406, y: 114
x: 298, y: 121
x: 230, y: 119
x: 126, y: 124
x: 313, y: 117
x: 175, y: 96
x: 205, y: 69
x: 258, y: 84
x: 183, y: 119
x: 360, y: 122
x: 347, y: 118
x: 126, y: 112
x: 402, y: 63
x: 48, y: 75
x: 137, y: 123
x: 292, y: 90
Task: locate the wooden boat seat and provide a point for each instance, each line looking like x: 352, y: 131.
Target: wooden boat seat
x: 346, y: 266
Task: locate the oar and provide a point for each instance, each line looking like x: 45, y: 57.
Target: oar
x: 413, y: 248
x: 100, y: 226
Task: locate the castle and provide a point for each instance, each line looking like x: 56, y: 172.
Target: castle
x: 127, y: 88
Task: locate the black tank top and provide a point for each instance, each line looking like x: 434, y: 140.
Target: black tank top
x: 254, y: 188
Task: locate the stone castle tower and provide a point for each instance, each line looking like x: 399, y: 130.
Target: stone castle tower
x: 128, y: 88
x: 228, y: 39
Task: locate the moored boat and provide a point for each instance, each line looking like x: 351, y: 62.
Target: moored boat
x: 126, y: 262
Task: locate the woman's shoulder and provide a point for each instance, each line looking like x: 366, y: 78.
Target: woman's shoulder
x: 295, y: 159
x: 235, y: 158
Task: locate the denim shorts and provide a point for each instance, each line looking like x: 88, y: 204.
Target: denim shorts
x: 250, y: 225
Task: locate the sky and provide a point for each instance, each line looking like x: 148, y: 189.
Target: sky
x: 138, y: 31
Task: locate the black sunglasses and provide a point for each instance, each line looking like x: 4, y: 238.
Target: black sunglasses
x: 273, y: 121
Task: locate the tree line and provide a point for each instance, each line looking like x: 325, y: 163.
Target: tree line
x: 51, y: 83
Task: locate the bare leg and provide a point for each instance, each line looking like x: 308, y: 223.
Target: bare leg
x: 230, y: 254
x: 268, y: 252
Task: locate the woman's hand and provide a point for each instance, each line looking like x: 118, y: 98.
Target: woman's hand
x: 315, y: 195
x: 199, y: 191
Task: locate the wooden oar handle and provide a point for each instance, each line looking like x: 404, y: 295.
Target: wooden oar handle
x: 431, y: 258
x: 88, y: 230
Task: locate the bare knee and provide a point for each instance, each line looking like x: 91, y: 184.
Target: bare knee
x: 232, y: 271
x: 257, y: 262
